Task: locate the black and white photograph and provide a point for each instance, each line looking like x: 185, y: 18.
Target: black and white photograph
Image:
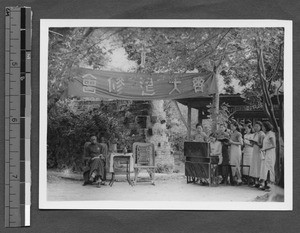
x: 166, y: 114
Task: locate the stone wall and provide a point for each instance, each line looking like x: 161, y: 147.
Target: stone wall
x: 164, y: 157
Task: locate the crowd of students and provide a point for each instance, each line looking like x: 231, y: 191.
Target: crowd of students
x: 245, y: 151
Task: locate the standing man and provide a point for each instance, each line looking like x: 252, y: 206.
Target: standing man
x: 94, y: 158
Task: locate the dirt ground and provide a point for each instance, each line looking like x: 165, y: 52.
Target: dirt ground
x: 168, y: 187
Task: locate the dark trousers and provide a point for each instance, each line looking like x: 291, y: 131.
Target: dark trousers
x: 96, y: 166
x: 225, y: 172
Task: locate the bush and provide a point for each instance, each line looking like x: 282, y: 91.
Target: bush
x: 177, y: 140
x: 68, y: 130
x: 164, y: 168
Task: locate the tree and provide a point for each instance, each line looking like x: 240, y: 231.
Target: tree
x: 266, y: 80
x: 259, y: 70
x: 253, y: 56
x: 67, y: 127
x: 74, y: 47
x: 179, y: 50
x: 72, y: 126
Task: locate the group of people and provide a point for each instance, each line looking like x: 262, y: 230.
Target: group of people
x: 253, y: 146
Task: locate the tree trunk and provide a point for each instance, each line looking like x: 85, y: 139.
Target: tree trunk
x: 279, y: 159
x: 216, y: 104
x: 189, y: 123
x: 269, y: 107
x: 157, y: 107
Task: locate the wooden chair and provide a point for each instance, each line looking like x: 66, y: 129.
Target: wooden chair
x: 144, y: 159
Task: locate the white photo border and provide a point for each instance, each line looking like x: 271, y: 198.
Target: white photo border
x: 45, y: 24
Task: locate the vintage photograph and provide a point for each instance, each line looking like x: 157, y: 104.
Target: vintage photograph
x: 166, y: 114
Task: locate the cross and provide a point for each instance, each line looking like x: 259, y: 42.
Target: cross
x: 175, y: 82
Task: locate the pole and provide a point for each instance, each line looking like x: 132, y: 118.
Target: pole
x: 189, y: 121
x: 180, y: 113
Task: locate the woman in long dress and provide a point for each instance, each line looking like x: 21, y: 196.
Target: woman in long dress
x: 268, y: 156
x: 248, y: 149
x: 236, y: 142
x: 257, y: 141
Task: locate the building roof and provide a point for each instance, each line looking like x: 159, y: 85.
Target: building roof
x: 202, y: 102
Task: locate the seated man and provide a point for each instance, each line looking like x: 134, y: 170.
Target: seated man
x: 94, y: 158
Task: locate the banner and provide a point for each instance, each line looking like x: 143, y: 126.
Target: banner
x: 109, y: 85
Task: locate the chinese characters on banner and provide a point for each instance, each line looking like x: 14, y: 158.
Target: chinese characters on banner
x: 147, y: 86
x: 198, y: 84
x: 175, y: 88
x: 89, y: 83
x: 139, y: 86
x: 115, y: 85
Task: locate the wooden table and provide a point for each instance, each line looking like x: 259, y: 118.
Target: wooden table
x: 121, y: 163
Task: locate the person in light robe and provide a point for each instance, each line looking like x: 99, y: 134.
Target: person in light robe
x: 248, y: 149
x: 257, y: 142
x: 236, y: 142
x: 268, y: 157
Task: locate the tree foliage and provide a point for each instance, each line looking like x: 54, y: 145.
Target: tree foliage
x: 175, y: 50
x: 74, y: 47
x: 242, y: 65
x: 252, y: 56
x: 229, y: 52
x: 71, y: 128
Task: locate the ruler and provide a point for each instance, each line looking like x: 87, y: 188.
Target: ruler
x: 17, y: 115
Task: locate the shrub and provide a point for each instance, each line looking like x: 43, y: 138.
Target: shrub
x: 164, y: 168
x: 68, y: 130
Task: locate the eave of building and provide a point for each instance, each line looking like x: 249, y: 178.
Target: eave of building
x: 231, y: 99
